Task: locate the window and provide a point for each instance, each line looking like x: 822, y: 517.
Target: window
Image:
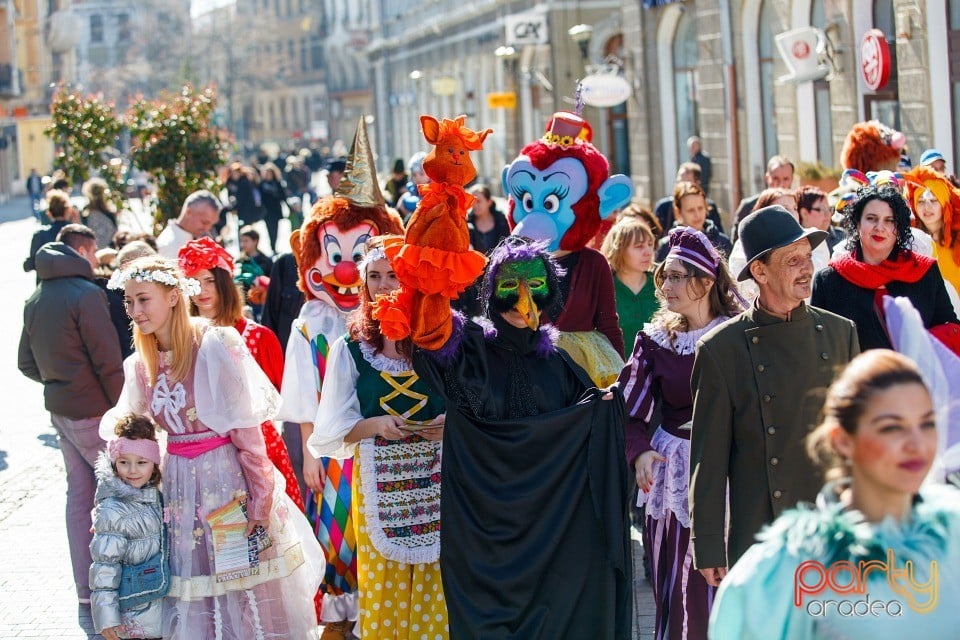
x: 685, y: 81
x: 884, y: 105
x: 821, y: 98
x: 765, y: 51
x: 123, y: 28
x: 96, y: 28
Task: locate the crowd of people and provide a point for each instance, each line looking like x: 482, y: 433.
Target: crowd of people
x: 431, y: 413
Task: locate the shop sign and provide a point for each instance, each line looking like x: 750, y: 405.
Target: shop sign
x: 875, y: 62
x: 604, y: 90
x: 526, y: 28
x: 443, y: 86
x: 502, y: 100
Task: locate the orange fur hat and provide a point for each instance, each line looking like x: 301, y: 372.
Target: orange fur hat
x: 872, y: 146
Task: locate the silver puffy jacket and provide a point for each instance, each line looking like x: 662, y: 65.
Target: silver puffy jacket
x: 126, y: 530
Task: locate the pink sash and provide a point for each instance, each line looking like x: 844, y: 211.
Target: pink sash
x: 197, y: 447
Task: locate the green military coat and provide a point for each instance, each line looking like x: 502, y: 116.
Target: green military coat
x: 758, y: 384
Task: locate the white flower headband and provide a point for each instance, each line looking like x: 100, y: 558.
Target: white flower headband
x: 377, y: 253
x: 169, y: 277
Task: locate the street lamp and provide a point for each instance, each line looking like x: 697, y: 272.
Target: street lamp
x: 581, y: 34
x: 510, y: 58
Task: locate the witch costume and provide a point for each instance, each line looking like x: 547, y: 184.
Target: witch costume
x: 534, y: 538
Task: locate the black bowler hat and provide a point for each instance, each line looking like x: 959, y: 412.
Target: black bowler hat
x: 771, y: 228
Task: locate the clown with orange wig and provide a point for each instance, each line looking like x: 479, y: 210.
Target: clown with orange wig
x: 936, y: 209
x: 329, y: 248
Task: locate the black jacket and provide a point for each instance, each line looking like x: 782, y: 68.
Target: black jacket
x: 833, y: 292
x: 284, y: 299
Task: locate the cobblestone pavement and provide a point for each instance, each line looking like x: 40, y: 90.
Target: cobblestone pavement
x: 37, y: 596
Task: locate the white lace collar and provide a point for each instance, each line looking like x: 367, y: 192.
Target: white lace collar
x: 383, y: 363
x: 685, y: 342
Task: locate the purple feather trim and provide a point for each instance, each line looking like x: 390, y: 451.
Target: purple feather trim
x: 445, y: 354
x: 547, y: 345
x: 489, y: 331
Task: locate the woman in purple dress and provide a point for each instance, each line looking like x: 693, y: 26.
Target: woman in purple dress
x: 696, y: 294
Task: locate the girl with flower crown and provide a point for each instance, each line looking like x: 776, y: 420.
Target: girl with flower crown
x: 219, y: 302
x: 200, y: 384
x: 375, y: 409
x: 696, y: 294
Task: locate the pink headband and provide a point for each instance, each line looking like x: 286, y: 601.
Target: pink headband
x: 142, y: 447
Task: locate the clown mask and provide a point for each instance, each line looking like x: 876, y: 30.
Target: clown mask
x: 335, y: 277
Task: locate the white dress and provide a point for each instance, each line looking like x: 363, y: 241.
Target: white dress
x: 225, y: 396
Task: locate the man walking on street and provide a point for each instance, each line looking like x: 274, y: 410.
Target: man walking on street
x: 35, y: 189
x: 69, y: 345
x: 755, y: 381
x: 697, y: 156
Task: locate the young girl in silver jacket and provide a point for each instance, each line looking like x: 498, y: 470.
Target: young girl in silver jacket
x: 127, y: 526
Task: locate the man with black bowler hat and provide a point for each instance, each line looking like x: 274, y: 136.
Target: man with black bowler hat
x: 758, y: 382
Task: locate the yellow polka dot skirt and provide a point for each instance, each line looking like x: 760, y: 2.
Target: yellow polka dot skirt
x: 397, y: 600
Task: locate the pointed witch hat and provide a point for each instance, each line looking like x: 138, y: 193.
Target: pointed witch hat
x: 359, y: 183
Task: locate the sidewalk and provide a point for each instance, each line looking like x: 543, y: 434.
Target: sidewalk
x: 37, y: 596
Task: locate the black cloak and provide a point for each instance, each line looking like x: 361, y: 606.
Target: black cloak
x: 534, y: 541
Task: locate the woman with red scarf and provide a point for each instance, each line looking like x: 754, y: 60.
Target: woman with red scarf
x: 881, y: 263
x: 219, y: 302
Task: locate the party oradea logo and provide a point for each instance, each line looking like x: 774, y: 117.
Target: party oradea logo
x: 841, y: 588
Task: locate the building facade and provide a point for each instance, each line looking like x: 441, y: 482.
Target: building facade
x: 37, y: 50
x: 443, y: 58
x: 127, y: 48
x: 711, y: 68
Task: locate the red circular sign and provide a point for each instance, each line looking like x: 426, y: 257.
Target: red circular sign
x: 801, y: 50
x: 875, y: 60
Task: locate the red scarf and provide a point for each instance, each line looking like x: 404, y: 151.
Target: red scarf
x: 909, y: 267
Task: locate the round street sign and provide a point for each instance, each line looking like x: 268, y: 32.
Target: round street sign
x: 875, y: 60
x: 604, y: 90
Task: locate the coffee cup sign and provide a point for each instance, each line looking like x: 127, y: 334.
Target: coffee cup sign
x: 875, y: 62
x: 801, y: 51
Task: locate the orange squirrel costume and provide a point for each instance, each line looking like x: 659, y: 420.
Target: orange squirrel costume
x: 434, y: 262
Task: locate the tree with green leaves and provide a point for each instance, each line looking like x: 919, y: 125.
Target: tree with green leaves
x: 172, y: 138
x: 85, y: 132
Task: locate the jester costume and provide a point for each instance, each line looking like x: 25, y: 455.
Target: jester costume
x: 328, y: 248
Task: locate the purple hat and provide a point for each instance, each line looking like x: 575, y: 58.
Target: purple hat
x: 694, y: 248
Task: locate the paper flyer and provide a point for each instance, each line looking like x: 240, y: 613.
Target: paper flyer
x: 234, y: 554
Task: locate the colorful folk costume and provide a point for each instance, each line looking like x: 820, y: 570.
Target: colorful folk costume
x: 328, y: 248
x: 534, y: 533
x: 396, y: 487
x: 910, y: 585
x: 659, y: 371
x: 560, y: 191
x: 215, y: 451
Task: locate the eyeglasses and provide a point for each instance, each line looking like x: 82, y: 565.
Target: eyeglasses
x: 674, y: 278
